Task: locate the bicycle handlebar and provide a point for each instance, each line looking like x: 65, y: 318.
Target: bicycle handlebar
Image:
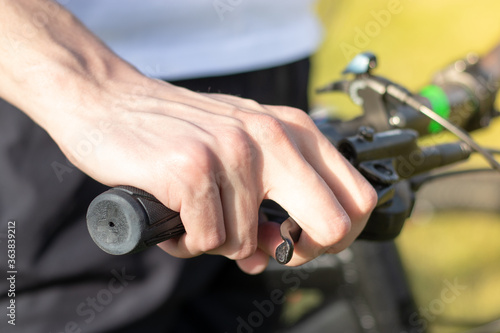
x: 126, y: 219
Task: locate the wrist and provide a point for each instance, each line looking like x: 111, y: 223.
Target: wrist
x: 62, y: 84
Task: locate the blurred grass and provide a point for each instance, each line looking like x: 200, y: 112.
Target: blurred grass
x: 422, y: 38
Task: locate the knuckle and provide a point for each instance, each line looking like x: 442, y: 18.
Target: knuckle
x: 367, y: 202
x: 336, y: 231
x: 194, y: 159
x: 342, y: 227
x: 190, y: 176
x: 370, y: 199
x: 269, y: 129
x: 211, y: 242
x: 235, y: 113
x: 251, y: 104
x: 238, y: 146
x: 244, y: 250
x: 293, y: 115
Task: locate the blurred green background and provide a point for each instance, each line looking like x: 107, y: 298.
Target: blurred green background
x: 418, y: 39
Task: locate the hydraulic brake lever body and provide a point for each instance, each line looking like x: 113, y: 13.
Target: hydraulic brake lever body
x: 387, y: 160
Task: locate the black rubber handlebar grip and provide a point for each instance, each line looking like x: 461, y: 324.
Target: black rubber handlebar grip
x: 125, y: 219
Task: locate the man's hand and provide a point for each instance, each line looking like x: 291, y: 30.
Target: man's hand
x: 214, y: 158
x: 211, y: 157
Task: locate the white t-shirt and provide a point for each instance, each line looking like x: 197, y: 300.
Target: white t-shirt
x: 180, y: 39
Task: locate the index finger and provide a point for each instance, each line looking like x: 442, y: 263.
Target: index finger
x: 310, y: 179
x: 307, y: 198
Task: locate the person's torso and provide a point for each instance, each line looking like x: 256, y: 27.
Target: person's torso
x: 199, y: 38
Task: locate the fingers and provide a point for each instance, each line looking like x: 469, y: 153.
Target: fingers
x: 351, y: 189
x: 202, y: 216
x: 314, y: 207
x: 354, y: 193
x: 254, y: 264
x: 221, y: 215
x: 328, y: 198
x: 275, y: 153
x: 239, y: 193
x: 240, y: 209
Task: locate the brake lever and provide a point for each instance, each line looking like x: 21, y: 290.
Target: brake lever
x: 290, y: 232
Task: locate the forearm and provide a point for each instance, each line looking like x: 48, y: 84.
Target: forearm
x: 48, y: 59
